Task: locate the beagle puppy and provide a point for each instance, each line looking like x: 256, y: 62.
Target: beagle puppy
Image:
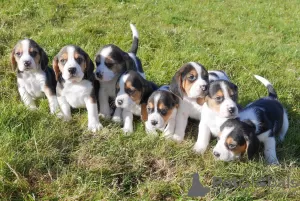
x: 220, y: 105
x: 34, y: 77
x: 76, y: 85
x: 190, y: 84
x: 260, y: 121
x: 111, y: 62
x: 162, y: 109
x: 133, y: 92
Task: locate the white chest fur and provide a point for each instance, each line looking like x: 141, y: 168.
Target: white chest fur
x: 76, y: 94
x: 135, y: 109
x: 191, y: 108
x: 33, y: 82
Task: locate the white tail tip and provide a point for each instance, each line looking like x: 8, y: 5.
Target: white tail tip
x: 134, y: 31
x: 263, y: 80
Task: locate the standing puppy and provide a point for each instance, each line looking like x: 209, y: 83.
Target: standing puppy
x: 260, y: 121
x: 34, y: 77
x: 133, y: 92
x: 111, y: 62
x: 76, y: 85
x: 220, y: 105
x: 162, y: 109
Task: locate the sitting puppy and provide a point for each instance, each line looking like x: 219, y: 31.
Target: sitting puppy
x: 76, y: 85
x: 162, y: 109
x: 220, y: 105
x: 34, y: 77
x: 260, y: 121
x: 133, y: 92
x: 111, y: 62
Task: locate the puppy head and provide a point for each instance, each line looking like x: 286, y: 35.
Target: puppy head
x: 132, y: 88
x: 162, y: 106
x: 27, y: 55
x: 190, y: 80
x: 72, y: 64
x: 235, y: 139
x: 111, y: 61
x: 222, y: 98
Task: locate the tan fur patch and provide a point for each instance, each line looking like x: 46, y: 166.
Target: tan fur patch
x: 239, y: 149
x: 166, y: 117
x: 136, y: 96
x: 150, y: 105
x: 144, y: 114
x: 212, y: 104
x: 186, y: 84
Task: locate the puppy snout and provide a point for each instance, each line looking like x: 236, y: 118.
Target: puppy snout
x: 120, y: 102
x: 154, y: 122
x: 203, y: 87
x: 216, y: 154
x: 231, y: 110
x: 27, y: 63
x: 72, y: 70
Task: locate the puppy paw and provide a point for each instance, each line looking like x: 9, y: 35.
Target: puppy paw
x: 272, y: 161
x: 177, y: 138
x: 199, y: 149
x: 32, y: 107
x: 105, y: 116
x: 127, y: 131
x: 95, y: 127
x: 116, y: 119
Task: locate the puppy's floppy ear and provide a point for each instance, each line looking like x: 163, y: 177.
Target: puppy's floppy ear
x: 251, y: 139
x: 129, y: 63
x: 44, y: 59
x: 13, y: 60
x: 56, y: 68
x: 144, y: 113
x: 176, y: 84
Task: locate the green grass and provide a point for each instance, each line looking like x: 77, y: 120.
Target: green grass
x: 43, y: 158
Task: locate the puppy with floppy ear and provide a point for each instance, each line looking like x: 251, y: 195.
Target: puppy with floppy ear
x: 111, y: 62
x: 190, y: 84
x: 133, y: 92
x: 34, y: 77
x: 76, y: 85
x: 220, y: 105
x: 162, y: 109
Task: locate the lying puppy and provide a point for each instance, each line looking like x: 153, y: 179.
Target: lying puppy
x: 133, y: 92
x: 111, y: 62
x: 190, y: 84
x: 220, y: 105
x: 34, y: 77
x: 76, y: 85
x: 260, y: 121
x: 162, y: 109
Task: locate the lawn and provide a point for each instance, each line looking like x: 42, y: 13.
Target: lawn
x: 43, y: 158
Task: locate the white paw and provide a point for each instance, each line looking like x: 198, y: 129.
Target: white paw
x: 95, y: 127
x: 105, y: 116
x: 127, y: 130
x: 272, y: 161
x: 32, y: 107
x: 117, y: 119
x: 177, y: 138
x: 200, y: 149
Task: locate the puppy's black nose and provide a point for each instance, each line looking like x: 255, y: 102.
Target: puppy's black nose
x: 120, y: 102
x: 231, y: 110
x: 72, y: 70
x: 154, y: 122
x: 203, y: 87
x: 27, y: 63
x: 217, y: 154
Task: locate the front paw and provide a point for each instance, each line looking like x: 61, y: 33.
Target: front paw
x: 177, y: 138
x: 105, y: 116
x: 116, y: 119
x: 32, y: 107
x: 95, y: 127
x: 127, y: 131
x: 199, y: 149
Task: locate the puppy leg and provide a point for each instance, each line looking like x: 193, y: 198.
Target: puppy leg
x: 127, y: 119
x: 169, y: 130
x: 104, y: 105
x: 203, y: 138
x: 270, y: 150
x: 26, y: 98
x: 52, y: 99
x: 181, y: 122
x: 93, y: 119
x: 117, y: 115
x: 285, y: 126
x: 65, y: 108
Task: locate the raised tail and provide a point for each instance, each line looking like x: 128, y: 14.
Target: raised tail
x: 271, y: 90
x: 135, y: 41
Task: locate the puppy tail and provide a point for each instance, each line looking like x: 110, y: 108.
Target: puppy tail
x: 271, y: 90
x: 135, y: 41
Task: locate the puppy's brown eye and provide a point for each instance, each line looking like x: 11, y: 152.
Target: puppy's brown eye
x: 163, y: 112
x: 79, y: 60
x: 33, y: 53
x: 150, y: 110
x: 231, y: 146
x: 219, y: 99
x: 192, y: 78
x: 130, y: 91
x: 109, y: 65
x: 18, y: 54
x: 63, y: 61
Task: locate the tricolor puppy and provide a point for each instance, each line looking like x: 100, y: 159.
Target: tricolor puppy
x: 34, y: 77
x: 214, y: 75
x: 76, y: 85
x: 111, y: 62
x: 260, y: 121
x: 133, y: 92
x: 190, y: 84
x: 220, y: 105
x: 162, y: 109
